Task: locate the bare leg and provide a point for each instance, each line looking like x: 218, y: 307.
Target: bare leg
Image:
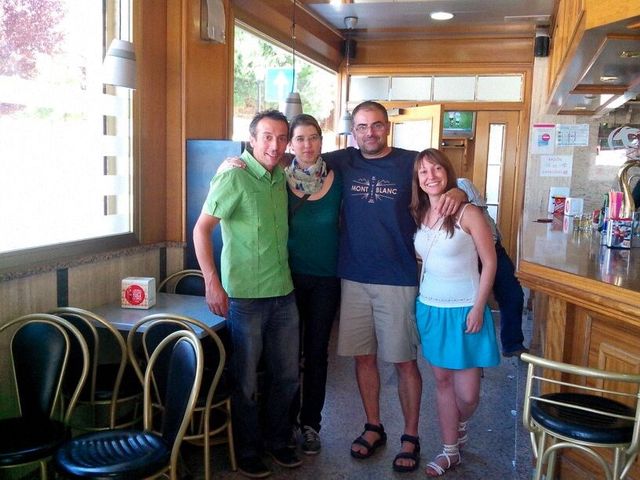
x: 458, y: 394
x: 368, y: 379
x: 467, y: 391
x: 448, y: 414
x: 410, y: 392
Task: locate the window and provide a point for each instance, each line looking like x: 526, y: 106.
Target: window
x: 65, y: 138
x: 497, y: 135
x: 262, y: 79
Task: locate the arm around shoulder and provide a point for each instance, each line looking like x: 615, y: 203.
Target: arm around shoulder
x: 474, y: 222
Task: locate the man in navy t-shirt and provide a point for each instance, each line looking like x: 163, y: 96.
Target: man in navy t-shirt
x: 377, y: 265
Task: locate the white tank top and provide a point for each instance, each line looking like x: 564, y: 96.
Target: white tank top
x: 450, y: 275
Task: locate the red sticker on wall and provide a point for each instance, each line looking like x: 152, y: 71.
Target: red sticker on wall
x: 134, y: 294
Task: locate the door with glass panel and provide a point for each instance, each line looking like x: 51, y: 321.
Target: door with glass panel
x: 416, y: 128
x: 495, y: 169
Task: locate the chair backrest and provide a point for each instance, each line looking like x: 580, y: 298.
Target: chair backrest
x: 156, y: 328
x: 186, y: 282
x: 183, y: 379
x: 40, y: 346
x: 86, y: 322
x: 547, y: 376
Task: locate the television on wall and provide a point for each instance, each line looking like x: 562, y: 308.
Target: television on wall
x: 458, y: 124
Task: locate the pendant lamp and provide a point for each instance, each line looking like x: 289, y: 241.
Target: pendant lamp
x: 346, y: 121
x: 119, y: 64
x: 293, y: 103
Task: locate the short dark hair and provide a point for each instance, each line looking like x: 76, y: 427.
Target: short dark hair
x: 371, y: 105
x: 303, y: 119
x: 272, y: 114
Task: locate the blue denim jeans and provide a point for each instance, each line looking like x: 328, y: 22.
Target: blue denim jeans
x: 317, y: 299
x: 267, y: 328
x: 510, y: 297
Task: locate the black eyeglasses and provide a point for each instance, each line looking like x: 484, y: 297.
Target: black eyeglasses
x: 376, y: 127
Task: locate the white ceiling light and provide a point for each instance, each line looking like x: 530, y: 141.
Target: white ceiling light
x: 441, y: 15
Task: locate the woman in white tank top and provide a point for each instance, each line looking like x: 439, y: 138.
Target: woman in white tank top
x: 455, y: 324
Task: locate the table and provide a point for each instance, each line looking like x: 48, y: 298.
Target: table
x: 188, y: 305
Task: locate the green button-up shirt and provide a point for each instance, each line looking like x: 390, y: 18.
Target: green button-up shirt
x: 251, y: 204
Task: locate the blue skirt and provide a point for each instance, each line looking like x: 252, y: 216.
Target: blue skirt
x: 446, y: 345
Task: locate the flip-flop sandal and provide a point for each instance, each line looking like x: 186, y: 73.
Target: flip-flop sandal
x: 371, y: 447
x: 415, y: 455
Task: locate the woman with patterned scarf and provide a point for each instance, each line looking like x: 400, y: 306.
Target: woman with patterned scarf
x: 314, y: 206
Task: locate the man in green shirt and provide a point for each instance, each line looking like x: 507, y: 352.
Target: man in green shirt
x: 255, y: 292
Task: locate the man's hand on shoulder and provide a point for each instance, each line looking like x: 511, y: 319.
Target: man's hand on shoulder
x: 230, y: 163
x: 450, y: 202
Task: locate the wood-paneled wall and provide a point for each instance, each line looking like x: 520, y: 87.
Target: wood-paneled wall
x: 461, y: 52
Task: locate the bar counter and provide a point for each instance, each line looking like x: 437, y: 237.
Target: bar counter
x: 573, y: 265
x: 586, y: 307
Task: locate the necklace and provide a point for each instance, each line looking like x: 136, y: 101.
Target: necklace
x: 431, y: 224
x: 435, y: 235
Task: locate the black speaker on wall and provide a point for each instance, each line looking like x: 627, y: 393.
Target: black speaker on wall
x: 349, y: 48
x: 541, y: 47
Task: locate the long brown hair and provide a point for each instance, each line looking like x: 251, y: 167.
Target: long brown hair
x: 420, y: 203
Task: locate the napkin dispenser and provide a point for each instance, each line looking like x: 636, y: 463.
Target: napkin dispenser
x: 138, y: 292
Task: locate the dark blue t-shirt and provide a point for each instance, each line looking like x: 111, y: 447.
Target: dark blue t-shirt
x: 376, y: 239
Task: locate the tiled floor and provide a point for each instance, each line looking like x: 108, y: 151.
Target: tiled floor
x: 498, y: 448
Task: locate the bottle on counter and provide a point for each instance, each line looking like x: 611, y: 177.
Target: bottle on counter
x: 604, y: 214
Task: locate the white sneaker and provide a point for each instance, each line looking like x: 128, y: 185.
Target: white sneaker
x: 310, y: 441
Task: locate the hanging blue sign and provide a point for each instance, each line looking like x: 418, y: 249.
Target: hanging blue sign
x: 278, y: 83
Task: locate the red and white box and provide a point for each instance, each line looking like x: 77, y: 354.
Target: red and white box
x: 138, y: 292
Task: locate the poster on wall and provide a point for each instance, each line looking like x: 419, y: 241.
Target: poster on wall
x: 556, y: 165
x: 570, y: 135
x: 544, y: 138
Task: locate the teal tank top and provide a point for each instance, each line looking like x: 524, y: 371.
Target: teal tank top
x: 313, y: 232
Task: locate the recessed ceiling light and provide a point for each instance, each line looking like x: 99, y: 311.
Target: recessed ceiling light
x: 609, y: 78
x: 441, y: 15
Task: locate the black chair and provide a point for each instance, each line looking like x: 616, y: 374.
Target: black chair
x: 186, y: 282
x: 136, y: 454
x: 584, y: 409
x: 211, y: 421
x: 40, y: 347
x: 112, y: 396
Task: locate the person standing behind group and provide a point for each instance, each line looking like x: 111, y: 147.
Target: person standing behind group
x: 377, y: 265
x: 455, y: 324
x: 315, y: 193
x: 506, y: 288
x: 256, y: 292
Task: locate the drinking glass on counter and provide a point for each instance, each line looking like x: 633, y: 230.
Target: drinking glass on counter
x: 582, y: 223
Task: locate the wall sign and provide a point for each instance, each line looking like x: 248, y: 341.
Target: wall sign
x: 572, y: 135
x: 556, y: 165
x: 544, y: 138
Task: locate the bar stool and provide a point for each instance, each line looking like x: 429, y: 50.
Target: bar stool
x: 581, y: 408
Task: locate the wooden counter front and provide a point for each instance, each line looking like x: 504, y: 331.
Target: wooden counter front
x: 586, y: 307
